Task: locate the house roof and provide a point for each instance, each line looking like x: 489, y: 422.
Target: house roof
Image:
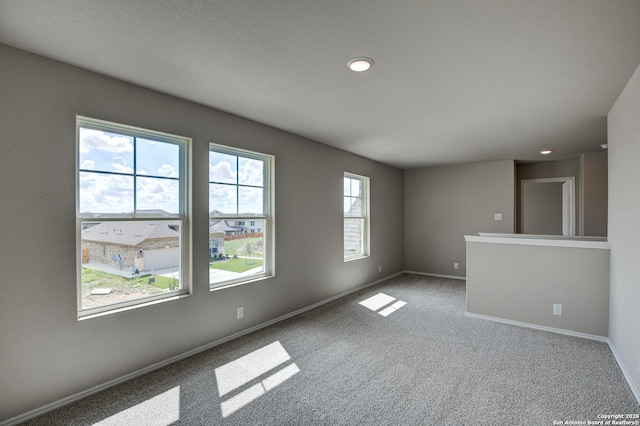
x: 224, y: 227
x: 355, y: 208
x: 130, y: 233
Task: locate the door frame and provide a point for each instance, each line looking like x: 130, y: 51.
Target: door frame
x: 568, y: 201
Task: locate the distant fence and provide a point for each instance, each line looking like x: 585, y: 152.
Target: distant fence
x: 242, y: 236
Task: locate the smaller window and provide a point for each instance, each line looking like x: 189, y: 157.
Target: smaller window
x: 356, y: 216
x: 240, y: 192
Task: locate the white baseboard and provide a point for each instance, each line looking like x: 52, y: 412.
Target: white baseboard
x: 539, y: 327
x: 606, y: 340
x: 453, y: 277
x: 85, y: 393
x: 625, y: 372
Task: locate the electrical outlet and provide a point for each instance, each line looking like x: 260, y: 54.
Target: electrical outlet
x: 240, y: 312
x: 456, y: 266
x: 557, y: 309
x: 380, y: 268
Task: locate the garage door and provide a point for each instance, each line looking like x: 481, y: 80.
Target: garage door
x: 162, y: 258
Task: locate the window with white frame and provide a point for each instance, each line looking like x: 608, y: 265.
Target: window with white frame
x: 240, y: 192
x: 356, y: 216
x: 132, y: 215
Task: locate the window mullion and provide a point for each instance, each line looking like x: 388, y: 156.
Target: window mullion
x: 135, y: 176
x: 237, y: 185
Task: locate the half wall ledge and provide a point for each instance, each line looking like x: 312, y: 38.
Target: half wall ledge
x: 521, y: 278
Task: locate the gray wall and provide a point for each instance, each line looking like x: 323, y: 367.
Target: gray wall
x: 593, y: 194
x: 536, y: 278
x: 443, y: 204
x: 45, y: 352
x: 624, y: 227
x: 542, y: 208
x: 543, y: 170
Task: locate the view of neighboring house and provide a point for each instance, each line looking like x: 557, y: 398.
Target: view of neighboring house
x: 133, y: 245
x: 227, y: 230
x: 251, y: 226
x: 353, y: 228
x: 217, y: 232
x: 141, y: 246
x: 224, y: 227
x: 235, y: 227
x: 352, y: 237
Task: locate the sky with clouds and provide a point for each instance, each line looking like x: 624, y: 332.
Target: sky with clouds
x: 236, y: 184
x: 119, y: 173
x: 157, y: 168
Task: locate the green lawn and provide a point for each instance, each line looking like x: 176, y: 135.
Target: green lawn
x: 92, y: 278
x: 236, y: 265
x: 238, y: 247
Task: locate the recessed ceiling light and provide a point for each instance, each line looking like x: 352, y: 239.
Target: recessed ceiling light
x: 360, y: 64
x: 546, y: 152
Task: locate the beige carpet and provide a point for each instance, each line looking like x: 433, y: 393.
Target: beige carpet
x: 400, y: 353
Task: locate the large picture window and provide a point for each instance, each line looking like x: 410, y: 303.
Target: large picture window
x: 240, y: 215
x: 356, y: 216
x: 131, y: 215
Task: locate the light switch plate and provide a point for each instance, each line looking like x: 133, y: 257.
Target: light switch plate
x: 497, y: 216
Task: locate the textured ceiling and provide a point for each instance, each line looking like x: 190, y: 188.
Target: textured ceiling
x: 453, y: 81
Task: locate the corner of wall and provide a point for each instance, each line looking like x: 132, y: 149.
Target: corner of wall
x: 623, y: 228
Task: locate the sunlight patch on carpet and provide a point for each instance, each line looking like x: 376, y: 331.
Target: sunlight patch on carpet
x: 240, y: 373
x: 379, y: 301
x: 161, y: 410
x: 391, y: 309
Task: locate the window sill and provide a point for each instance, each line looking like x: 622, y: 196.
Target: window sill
x: 91, y: 315
x: 223, y: 286
x: 351, y: 258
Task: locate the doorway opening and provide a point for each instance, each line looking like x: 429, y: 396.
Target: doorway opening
x: 548, y: 206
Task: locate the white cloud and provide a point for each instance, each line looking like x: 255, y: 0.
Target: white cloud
x: 251, y: 172
x: 222, y: 172
x: 105, y: 194
x: 251, y: 200
x: 87, y: 164
x: 167, y: 170
x: 121, y: 168
x: 100, y: 193
x: 101, y: 141
x: 158, y: 194
x: 150, y: 188
x: 222, y: 198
